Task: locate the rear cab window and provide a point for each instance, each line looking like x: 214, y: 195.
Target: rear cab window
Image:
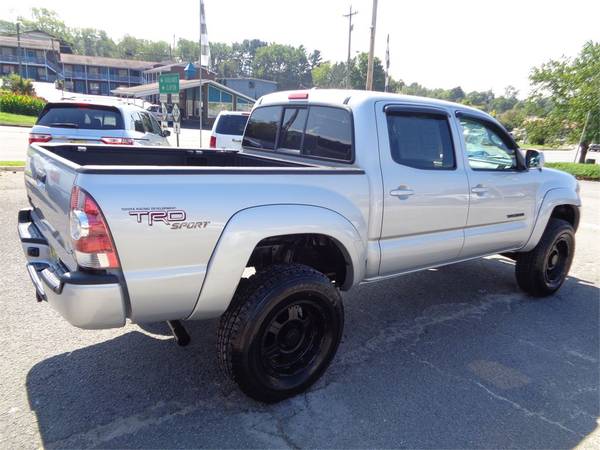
x: 321, y: 132
x: 231, y: 124
x: 81, y: 116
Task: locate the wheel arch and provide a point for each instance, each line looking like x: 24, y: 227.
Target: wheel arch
x: 559, y: 203
x: 251, y: 228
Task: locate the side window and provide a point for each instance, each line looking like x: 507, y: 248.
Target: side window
x: 486, y: 148
x: 147, y: 122
x: 155, y: 126
x: 261, y: 130
x: 292, y: 128
x: 421, y: 140
x: 328, y: 133
x: 137, y: 123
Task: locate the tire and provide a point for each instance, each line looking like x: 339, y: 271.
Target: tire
x: 542, y: 271
x: 280, y: 332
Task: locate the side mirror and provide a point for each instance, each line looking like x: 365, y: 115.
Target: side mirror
x: 534, y: 159
x: 166, y: 133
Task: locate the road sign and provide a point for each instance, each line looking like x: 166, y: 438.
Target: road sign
x: 168, y: 83
x: 164, y: 125
x: 174, y: 98
x: 176, y: 113
x: 176, y: 128
x: 163, y: 98
x: 164, y: 114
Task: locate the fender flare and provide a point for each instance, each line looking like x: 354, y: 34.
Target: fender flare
x: 248, y: 227
x: 552, y: 199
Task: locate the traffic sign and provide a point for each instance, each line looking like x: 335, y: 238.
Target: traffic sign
x: 168, y: 83
x: 164, y: 114
x: 176, y: 113
x: 164, y: 125
x: 177, y: 129
x: 163, y: 98
x: 174, y: 98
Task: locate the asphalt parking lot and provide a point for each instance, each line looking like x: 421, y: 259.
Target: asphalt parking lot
x: 454, y: 357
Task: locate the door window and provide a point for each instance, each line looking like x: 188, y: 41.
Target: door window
x: 421, y: 140
x: 486, y: 148
x: 262, y: 128
x: 292, y: 128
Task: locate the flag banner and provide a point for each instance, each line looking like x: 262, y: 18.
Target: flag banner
x: 204, y: 45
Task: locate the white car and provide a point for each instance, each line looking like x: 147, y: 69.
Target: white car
x: 156, y: 111
x: 228, y: 129
x: 97, y: 123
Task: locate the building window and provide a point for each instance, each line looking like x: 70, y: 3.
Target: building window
x: 243, y: 105
x: 6, y: 69
x: 94, y: 87
x: 218, y: 100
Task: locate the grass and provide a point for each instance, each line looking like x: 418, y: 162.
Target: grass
x: 17, y: 119
x: 12, y: 163
x: 578, y: 170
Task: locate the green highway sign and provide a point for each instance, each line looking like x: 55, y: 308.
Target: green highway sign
x: 168, y: 83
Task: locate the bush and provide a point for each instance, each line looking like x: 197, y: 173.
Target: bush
x: 18, y: 85
x: 578, y: 170
x: 21, y: 104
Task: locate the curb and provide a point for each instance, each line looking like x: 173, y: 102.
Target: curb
x: 12, y: 168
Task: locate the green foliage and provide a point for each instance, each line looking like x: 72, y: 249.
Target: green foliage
x: 18, y: 85
x: 286, y: 65
x: 12, y: 163
x: 573, y: 88
x: 578, y: 170
x: 21, y: 104
x: 93, y: 42
x: 46, y: 20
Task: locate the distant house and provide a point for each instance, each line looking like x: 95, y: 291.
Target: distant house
x: 251, y: 87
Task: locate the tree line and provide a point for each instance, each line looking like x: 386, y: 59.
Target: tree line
x: 564, y: 101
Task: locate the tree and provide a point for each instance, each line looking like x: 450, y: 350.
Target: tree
x: 46, y: 20
x: 18, y: 85
x: 358, y: 75
x: 93, y: 42
x: 314, y: 59
x: 286, y: 65
x: 187, y: 50
x: 573, y: 87
x: 224, y: 60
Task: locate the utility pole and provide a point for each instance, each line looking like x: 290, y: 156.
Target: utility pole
x: 19, y: 47
x: 200, y: 66
x: 372, y: 48
x: 387, y: 65
x: 348, y: 68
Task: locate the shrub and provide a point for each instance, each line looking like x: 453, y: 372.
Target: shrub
x: 21, y: 104
x: 578, y: 170
x: 18, y: 85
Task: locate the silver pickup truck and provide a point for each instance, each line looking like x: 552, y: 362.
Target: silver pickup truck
x: 332, y: 188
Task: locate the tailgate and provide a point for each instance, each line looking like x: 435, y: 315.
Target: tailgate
x: 49, y: 181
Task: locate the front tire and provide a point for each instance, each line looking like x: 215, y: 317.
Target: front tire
x: 281, y: 331
x: 542, y: 271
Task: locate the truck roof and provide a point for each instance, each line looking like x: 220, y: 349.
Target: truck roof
x: 355, y: 98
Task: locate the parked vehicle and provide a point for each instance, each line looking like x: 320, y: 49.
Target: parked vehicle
x: 333, y: 188
x: 228, y: 129
x: 156, y: 112
x: 594, y: 148
x: 97, y: 123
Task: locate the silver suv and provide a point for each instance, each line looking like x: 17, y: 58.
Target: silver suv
x: 97, y: 123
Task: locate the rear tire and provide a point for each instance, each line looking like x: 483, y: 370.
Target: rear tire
x: 542, y: 271
x: 281, y: 331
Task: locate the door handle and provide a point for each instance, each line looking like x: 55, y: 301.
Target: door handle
x: 236, y: 140
x: 402, y: 192
x: 479, y: 189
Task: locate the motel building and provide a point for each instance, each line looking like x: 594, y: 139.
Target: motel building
x: 46, y: 58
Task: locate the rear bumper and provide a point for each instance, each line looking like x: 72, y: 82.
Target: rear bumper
x: 86, y: 300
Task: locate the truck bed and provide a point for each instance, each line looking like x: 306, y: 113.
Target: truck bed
x: 145, y: 157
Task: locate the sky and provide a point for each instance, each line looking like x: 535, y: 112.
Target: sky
x: 478, y: 45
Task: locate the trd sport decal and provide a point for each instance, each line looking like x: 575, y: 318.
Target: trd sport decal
x: 174, y: 218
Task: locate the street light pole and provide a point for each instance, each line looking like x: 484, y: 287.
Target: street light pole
x: 372, y: 48
x: 348, y: 71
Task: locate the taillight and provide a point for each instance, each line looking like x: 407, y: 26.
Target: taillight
x: 39, y: 137
x: 94, y: 247
x: 213, y: 142
x: 116, y: 141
